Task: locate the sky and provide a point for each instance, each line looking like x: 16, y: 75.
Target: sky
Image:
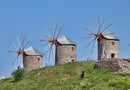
x: 34, y: 16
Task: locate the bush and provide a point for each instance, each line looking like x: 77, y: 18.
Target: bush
x: 17, y: 74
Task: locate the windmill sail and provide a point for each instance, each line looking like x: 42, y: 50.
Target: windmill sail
x: 51, y: 40
x: 19, y: 48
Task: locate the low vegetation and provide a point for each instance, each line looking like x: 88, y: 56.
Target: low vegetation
x: 17, y: 74
x: 67, y: 77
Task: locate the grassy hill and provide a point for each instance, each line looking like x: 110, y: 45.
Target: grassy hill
x: 67, y: 77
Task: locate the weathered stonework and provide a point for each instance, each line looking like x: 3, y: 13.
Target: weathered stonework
x: 32, y: 62
x: 108, y: 48
x: 32, y: 59
x: 115, y: 64
x: 65, y: 53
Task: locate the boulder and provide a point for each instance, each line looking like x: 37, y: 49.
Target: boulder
x: 114, y: 64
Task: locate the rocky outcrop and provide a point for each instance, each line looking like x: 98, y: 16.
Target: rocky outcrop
x: 119, y: 65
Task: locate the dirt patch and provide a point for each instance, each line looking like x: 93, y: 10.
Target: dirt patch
x: 67, y: 77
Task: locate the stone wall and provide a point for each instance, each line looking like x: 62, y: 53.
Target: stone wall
x: 65, y: 54
x: 111, y: 47
x: 32, y: 62
x: 115, y: 64
x: 107, y: 47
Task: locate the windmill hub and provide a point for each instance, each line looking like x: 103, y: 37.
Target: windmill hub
x: 53, y: 41
x: 99, y: 35
x: 20, y: 52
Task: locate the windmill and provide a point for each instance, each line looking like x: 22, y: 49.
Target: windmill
x: 20, y: 46
x: 65, y: 50
x: 32, y: 58
x: 51, y: 39
x: 108, y: 44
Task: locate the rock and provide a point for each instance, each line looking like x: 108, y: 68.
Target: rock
x: 114, y: 64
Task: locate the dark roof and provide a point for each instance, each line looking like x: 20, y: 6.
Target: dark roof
x: 109, y: 35
x: 32, y: 51
x: 65, y: 40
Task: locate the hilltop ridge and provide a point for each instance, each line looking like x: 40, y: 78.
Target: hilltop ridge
x: 67, y: 77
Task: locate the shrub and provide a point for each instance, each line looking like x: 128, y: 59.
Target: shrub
x: 17, y: 74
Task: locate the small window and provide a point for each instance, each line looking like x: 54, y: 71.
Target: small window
x: 112, y: 55
x: 113, y: 43
x: 72, y: 48
x: 38, y: 59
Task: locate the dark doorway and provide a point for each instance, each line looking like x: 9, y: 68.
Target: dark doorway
x: 112, y: 55
x: 72, y: 60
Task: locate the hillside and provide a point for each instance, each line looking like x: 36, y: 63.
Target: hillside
x: 67, y: 77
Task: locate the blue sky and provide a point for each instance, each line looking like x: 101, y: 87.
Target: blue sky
x: 34, y: 16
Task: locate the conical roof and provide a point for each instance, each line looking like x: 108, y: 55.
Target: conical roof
x: 109, y: 35
x: 32, y: 51
x: 65, y: 40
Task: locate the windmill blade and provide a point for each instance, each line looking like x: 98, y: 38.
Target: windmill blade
x: 50, y: 31
x: 18, y: 55
x: 22, y: 44
x: 48, y: 49
x: 59, y: 32
x: 46, y: 37
x: 90, y: 42
x: 88, y: 30
x: 13, y: 51
x: 18, y: 42
x: 55, y: 31
x: 99, y: 25
x: 15, y: 58
x: 103, y: 22
x: 44, y: 40
x: 93, y: 45
x: 24, y: 40
x: 14, y: 46
x: 107, y: 27
x: 45, y: 44
x: 87, y: 37
x: 94, y: 27
x: 52, y: 56
x: 50, y: 52
x: 26, y: 45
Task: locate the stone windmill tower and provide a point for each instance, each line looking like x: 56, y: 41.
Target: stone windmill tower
x: 108, y: 47
x: 32, y: 58
x: 65, y: 50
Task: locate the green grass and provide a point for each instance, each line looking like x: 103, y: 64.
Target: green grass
x: 67, y: 77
